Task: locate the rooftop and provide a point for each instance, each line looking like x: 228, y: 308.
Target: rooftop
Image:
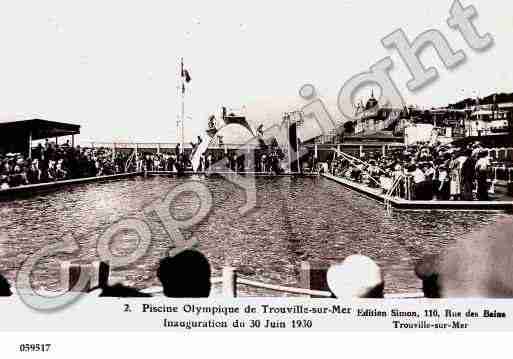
x: 39, y: 129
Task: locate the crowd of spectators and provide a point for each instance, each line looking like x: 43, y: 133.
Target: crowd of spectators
x: 52, y: 162
x: 265, y: 160
x: 423, y: 172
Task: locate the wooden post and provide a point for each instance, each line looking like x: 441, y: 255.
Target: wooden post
x: 72, y: 140
x: 313, y: 276
x: 229, y: 282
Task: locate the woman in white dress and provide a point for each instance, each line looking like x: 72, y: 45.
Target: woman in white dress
x: 455, y: 178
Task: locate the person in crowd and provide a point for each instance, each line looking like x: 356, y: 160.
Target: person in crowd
x: 419, y: 181
x: 467, y: 176
x: 374, y: 173
x: 442, y: 190
x: 60, y: 170
x: 454, y: 173
x: 53, y: 163
x: 476, y: 148
x: 263, y: 163
x: 185, y: 275
x: 482, y: 167
x: 4, y: 182
x: 358, y: 276
x: 358, y: 172
x: 449, y: 173
x: 427, y: 187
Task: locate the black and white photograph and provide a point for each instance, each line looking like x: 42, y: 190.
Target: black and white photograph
x: 255, y: 166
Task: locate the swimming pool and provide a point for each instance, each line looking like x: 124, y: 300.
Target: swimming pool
x: 294, y: 219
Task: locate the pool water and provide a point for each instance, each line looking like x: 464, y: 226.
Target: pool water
x: 294, y: 219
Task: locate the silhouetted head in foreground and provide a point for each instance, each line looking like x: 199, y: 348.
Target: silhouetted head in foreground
x: 186, y: 275
x: 357, y: 276
x: 428, y: 270
x: 479, y: 264
x: 5, y: 287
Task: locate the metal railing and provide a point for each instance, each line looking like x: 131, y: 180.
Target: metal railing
x: 230, y: 282
x: 390, y: 193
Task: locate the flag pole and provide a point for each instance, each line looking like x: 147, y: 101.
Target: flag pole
x: 183, y: 107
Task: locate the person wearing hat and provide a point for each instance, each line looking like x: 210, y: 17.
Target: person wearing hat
x: 419, y: 181
x: 476, y: 148
x: 4, y: 182
x: 358, y: 276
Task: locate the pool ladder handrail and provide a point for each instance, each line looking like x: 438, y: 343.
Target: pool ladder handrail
x: 388, y: 196
x: 129, y: 161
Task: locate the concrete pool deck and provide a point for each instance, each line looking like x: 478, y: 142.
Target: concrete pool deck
x: 402, y: 204
x: 44, y: 187
x: 27, y: 190
x: 256, y: 174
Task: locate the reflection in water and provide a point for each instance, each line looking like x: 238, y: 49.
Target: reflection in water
x: 295, y: 219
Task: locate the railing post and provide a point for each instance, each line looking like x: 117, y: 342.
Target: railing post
x: 313, y: 276
x: 97, y: 275
x: 70, y: 276
x: 100, y: 272
x: 64, y: 275
x: 229, y: 282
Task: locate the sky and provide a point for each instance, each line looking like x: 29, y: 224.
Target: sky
x: 113, y: 66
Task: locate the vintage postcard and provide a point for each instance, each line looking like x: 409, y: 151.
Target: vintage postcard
x: 255, y: 166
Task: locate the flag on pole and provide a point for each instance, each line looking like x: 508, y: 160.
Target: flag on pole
x: 185, y: 75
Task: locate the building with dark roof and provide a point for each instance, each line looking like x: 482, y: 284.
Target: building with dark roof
x: 17, y: 136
